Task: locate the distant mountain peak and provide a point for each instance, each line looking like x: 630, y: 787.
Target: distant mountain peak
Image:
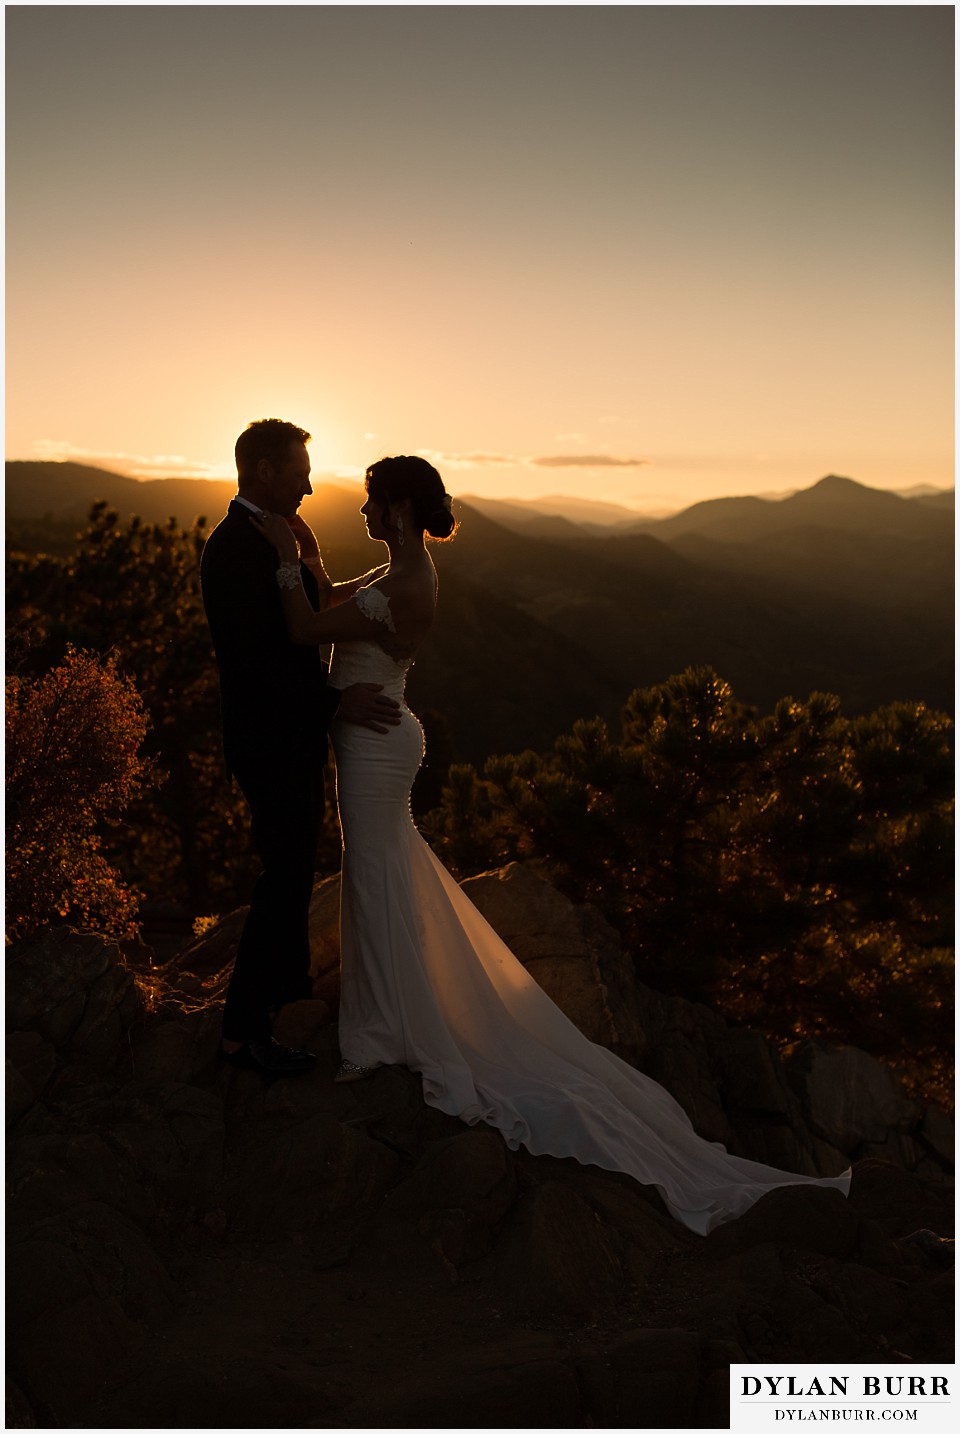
x: 846, y: 490
x: 834, y: 482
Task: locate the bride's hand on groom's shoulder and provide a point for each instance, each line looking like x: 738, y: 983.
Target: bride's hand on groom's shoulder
x: 278, y: 534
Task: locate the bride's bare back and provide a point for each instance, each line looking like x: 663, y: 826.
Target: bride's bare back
x: 411, y: 604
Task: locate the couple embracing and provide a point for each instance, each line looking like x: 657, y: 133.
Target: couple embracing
x: 425, y: 981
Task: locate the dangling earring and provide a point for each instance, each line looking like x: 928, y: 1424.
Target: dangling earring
x: 400, y: 528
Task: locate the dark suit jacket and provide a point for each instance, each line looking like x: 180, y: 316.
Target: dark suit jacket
x: 274, y: 697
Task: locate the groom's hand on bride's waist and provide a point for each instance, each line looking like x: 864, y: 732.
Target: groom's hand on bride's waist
x: 365, y: 704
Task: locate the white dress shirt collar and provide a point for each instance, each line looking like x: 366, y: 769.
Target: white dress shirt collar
x: 247, y: 504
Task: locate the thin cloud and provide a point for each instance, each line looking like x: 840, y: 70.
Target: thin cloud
x: 549, y: 460
x: 132, y: 465
x: 588, y: 460
x: 175, y: 465
x: 472, y: 460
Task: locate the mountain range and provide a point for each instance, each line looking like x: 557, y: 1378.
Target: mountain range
x: 553, y: 516
x: 838, y: 587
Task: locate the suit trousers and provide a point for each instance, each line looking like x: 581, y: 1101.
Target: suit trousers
x: 272, y: 964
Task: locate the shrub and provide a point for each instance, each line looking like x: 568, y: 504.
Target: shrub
x: 73, y: 767
x: 793, y: 870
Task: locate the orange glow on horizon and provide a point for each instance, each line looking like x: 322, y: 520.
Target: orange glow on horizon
x: 754, y: 289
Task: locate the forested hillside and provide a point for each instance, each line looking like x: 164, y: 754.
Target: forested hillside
x: 783, y: 598
x: 652, y: 731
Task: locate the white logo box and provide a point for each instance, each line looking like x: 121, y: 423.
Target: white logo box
x: 775, y: 1397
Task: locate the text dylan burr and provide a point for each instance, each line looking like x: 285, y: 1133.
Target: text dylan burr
x: 911, y: 1386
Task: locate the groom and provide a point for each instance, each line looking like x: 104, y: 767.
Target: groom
x: 276, y: 707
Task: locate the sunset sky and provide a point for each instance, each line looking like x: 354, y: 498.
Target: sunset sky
x: 649, y: 254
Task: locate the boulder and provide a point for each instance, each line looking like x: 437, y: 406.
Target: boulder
x: 300, y: 1024
x: 936, y: 1134
x: 896, y: 1147
x: 899, y: 1200
x: 784, y: 1146
x: 571, y: 951
x: 806, y: 1217
x: 557, y: 1255
x: 59, y: 1023
x: 32, y: 1057
x: 390, y: 1108
x: 822, y: 1329
x: 204, y: 958
x: 174, y: 1137
x: 459, y: 1193
x: 49, y: 969
x: 325, y: 940
x: 82, y: 1287
x: 647, y: 1240
x: 647, y: 1379
x: 469, y: 1171
x: 293, y: 1179
x: 772, y: 1299
x: 681, y: 1065
x: 167, y: 1049
x: 69, y: 991
x: 20, y: 1095
x: 51, y: 1172
x: 516, y: 1386
x: 927, y: 1320
x: 826, y: 1158
x: 112, y: 1004
x: 20, y: 1414
x: 872, y: 1301
x: 202, y: 967
x: 185, y: 1389
x: 849, y: 1098
x: 750, y: 1076
x: 930, y: 1246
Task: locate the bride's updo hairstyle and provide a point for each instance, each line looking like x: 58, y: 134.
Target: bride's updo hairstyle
x: 391, y: 480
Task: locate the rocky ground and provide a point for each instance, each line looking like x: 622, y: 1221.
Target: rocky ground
x: 191, y: 1247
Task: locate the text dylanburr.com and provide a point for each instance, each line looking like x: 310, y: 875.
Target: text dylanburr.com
x: 767, y: 1397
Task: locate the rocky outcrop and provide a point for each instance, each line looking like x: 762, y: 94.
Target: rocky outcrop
x: 68, y: 993
x: 198, y: 970
x: 814, y: 1113
x: 571, y: 951
x: 192, y: 1247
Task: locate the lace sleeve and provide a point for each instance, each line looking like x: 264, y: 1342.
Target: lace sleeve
x: 375, y: 604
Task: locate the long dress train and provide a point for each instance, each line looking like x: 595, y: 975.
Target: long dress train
x: 427, y: 983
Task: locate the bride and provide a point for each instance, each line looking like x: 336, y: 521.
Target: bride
x: 425, y: 981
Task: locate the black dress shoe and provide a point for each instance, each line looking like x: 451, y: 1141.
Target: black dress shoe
x: 270, y: 1058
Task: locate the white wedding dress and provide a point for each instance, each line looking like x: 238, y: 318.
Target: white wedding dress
x: 427, y: 983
